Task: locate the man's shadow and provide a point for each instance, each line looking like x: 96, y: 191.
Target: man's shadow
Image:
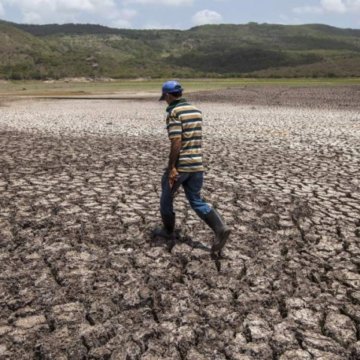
x: 169, y: 244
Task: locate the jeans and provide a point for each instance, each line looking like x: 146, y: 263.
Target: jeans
x: 192, y: 184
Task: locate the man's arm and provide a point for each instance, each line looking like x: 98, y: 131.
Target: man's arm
x: 173, y: 157
x: 175, y: 136
x: 174, y: 152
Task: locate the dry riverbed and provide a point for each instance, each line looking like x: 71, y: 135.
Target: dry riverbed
x: 80, y: 277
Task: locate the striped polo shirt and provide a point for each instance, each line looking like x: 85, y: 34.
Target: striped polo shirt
x: 184, y: 121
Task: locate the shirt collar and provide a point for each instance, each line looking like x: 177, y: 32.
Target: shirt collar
x: 174, y: 103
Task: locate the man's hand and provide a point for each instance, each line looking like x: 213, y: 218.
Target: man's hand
x: 173, y: 174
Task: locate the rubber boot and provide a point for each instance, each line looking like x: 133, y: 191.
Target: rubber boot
x: 222, y: 232
x: 167, y: 231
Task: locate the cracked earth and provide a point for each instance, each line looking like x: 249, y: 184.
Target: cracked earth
x: 80, y: 277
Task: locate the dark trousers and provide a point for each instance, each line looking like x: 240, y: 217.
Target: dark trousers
x: 192, y: 184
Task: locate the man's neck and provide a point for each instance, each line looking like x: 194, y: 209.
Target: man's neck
x: 175, y: 101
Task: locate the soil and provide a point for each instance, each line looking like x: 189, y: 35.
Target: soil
x: 340, y: 97
x: 81, y: 277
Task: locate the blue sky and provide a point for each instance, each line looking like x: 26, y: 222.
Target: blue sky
x: 182, y: 14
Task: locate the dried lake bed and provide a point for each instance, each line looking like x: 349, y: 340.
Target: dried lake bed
x: 80, y: 277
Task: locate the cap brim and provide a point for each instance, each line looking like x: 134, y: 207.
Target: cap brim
x: 162, y: 97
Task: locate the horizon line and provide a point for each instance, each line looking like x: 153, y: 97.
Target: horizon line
x: 176, y: 29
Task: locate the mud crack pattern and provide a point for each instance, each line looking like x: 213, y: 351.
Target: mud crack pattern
x: 81, y: 279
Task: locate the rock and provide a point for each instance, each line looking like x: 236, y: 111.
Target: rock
x: 296, y: 355
x: 306, y: 318
x: 234, y: 347
x: 349, y: 278
x: 258, y: 329
x: 340, y: 328
x: 355, y: 351
x: 67, y: 314
x: 357, y: 232
x: 355, y: 296
x: 314, y: 341
x: 352, y: 311
x: 284, y: 337
x: 324, y: 355
x: 286, y: 224
x: 237, y: 356
x: 4, y: 330
x: 239, y: 339
x: 193, y: 354
x: 31, y: 322
x: 61, y: 344
x: 258, y: 351
x: 3, y: 351
x: 294, y: 303
x: 97, y: 336
x: 100, y: 353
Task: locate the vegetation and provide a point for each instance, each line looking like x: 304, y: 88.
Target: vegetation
x: 251, y: 50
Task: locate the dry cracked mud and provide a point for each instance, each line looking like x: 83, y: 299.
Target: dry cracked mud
x: 80, y: 277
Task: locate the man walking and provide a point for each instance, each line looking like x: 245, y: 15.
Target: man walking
x: 184, y: 125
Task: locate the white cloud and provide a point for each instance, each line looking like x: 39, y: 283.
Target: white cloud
x: 330, y: 6
x: 75, y: 5
x: 207, y: 17
x: 32, y: 18
x: 308, y: 10
x: 47, y: 11
x: 122, y: 19
x: 128, y: 13
x: 286, y: 20
x: 63, y: 6
x: 354, y: 5
x: 121, y: 24
x: 337, y: 6
x: 161, y: 2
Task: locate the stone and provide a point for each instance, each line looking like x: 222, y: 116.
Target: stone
x: 296, y: 355
x: 305, y: 317
x: 314, y: 341
x: 259, y: 329
x: 355, y: 351
x: 284, y: 337
x: 340, y: 328
x: 31, y: 322
x: 258, y: 351
x: 3, y: 351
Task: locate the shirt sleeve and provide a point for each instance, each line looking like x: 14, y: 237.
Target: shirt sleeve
x: 174, y: 127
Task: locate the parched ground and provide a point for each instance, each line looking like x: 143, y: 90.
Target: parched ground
x: 323, y: 97
x: 80, y: 277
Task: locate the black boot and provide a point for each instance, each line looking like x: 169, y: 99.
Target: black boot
x: 222, y: 232
x: 167, y: 231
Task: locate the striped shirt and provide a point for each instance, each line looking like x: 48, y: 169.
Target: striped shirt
x: 184, y: 121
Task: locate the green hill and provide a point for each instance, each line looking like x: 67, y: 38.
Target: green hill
x: 43, y: 51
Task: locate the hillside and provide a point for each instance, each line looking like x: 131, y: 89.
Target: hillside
x: 41, y: 51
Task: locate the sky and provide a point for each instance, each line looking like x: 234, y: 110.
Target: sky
x: 182, y: 14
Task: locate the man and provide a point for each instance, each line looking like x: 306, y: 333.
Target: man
x: 184, y: 125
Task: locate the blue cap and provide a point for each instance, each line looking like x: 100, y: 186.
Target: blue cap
x: 171, y: 87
